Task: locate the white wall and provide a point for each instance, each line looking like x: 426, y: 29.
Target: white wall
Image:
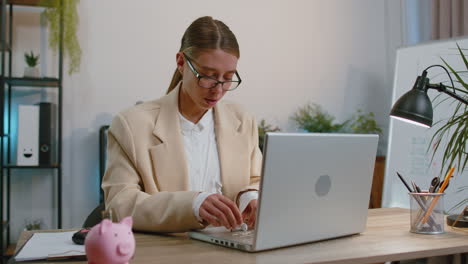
x: 337, y: 53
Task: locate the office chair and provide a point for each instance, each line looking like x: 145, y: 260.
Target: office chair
x: 95, y: 217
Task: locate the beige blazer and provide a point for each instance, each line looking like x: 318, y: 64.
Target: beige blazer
x: 147, y: 174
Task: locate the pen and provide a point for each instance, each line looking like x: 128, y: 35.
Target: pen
x: 416, y: 187
x: 441, y: 190
x: 404, y: 182
x: 421, y: 204
x: 418, y: 190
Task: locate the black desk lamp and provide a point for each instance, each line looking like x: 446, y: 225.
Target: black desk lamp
x: 415, y: 106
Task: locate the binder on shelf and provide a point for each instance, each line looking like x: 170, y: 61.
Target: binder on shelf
x: 36, y: 131
x: 46, y: 133
x: 28, y: 135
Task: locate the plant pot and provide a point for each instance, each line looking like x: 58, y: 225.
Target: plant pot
x: 31, y: 72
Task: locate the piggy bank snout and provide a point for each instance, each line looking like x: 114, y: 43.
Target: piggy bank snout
x: 124, y: 248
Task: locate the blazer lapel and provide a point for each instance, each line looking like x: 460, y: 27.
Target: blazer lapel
x: 169, y: 156
x: 231, y: 147
x: 169, y: 159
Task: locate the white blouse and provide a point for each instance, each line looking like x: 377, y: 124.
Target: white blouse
x: 201, y: 153
x: 203, y: 161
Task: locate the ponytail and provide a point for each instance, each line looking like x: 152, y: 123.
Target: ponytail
x: 176, y: 78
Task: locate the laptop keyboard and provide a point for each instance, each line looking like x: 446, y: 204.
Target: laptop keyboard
x: 242, y: 234
x: 245, y: 237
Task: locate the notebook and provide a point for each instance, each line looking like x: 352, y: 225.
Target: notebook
x: 50, y: 246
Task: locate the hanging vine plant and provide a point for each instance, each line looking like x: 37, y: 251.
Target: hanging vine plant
x: 71, y: 46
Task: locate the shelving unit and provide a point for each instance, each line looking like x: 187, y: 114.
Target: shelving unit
x: 9, y: 84
x: 34, y: 82
x: 52, y: 166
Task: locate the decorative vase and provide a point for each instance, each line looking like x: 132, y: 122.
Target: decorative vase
x: 31, y: 72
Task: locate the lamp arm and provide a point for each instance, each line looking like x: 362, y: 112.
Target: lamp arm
x: 456, y: 96
x: 442, y: 88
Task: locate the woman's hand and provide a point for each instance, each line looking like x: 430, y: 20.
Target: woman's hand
x: 218, y: 210
x: 249, y: 215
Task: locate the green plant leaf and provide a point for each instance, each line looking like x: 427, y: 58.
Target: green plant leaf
x: 312, y: 118
x: 263, y: 128
x: 71, y: 46
x: 461, y: 203
x: 31, y: 59
x: 455, y: 129
x: 463, y: 56
x: 453, y: 71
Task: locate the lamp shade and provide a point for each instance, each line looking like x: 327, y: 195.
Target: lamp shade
x: 415, y: 105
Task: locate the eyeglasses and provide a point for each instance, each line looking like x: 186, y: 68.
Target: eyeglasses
x: 209, y: 82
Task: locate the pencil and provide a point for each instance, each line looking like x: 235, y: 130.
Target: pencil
x: 417, y: 199
x: 446, y: 180
x: 441, y: 190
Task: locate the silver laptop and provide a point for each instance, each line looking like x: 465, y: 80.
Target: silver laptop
x: 313, y: 187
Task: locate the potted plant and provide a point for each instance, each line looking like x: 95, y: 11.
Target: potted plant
x: 455, y: 129
x: 32, y: 61
x: 313, y: 118
x: 263, y: 128
x: 35, y: 224
x: 71, y: 46
x: 364, y: 123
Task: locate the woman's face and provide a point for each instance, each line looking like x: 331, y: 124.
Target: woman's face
x: 216, y: 64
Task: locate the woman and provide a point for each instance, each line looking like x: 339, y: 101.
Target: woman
x: 187, y: 160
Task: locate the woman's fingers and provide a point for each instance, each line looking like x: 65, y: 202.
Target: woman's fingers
x: 222, y: 209
x: 246, y: 214
x: 217, y: 210
x: 210, y: 219
x: 218, y: 215
x: 227, y: 213
x: 250, y: 214
x: 252, y: 217
x: 234, y: 210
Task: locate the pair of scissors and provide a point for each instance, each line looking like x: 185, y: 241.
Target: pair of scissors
x: 436, y: 183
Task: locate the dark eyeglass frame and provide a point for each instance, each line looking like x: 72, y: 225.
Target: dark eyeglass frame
x: 200, y: 76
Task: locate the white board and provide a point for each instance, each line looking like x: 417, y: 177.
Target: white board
x: 408, y: 144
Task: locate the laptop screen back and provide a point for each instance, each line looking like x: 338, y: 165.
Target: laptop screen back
x: 314, y: 187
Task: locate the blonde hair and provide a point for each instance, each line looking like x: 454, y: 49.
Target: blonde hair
x: 205, y: 33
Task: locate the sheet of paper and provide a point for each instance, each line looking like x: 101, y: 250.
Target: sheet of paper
x: 45, y: 245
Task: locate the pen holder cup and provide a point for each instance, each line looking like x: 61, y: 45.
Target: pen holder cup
x: 427, y: 213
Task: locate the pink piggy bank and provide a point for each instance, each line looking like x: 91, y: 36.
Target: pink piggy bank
x: 110, y: 243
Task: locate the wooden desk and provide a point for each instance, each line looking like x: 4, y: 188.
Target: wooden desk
x: 387, y: 238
